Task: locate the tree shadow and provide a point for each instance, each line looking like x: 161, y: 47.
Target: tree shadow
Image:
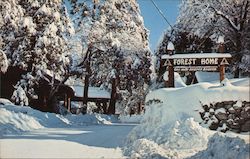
x: 105, y: 136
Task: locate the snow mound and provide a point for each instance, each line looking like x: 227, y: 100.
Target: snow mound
x: 15, y: 122
x: 185, y: 136
x: 4, y: 101
x: 172, y: 118
x: 213, y: 77
x: 186, y: 102
x: 144, y: 148
x: 16, y: 119
x: 178, y: 82
x: 230, y: 147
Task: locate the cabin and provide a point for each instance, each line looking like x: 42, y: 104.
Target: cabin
x: 65, y: 93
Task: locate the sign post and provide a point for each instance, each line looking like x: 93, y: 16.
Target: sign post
x: 195, y: 62
x: 170, y: 49
x: 170, y: 76
x: 224, y: 61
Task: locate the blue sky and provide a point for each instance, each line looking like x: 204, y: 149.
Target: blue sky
x: 154, y: 22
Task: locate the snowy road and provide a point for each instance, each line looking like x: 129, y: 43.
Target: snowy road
x: 94, y: 141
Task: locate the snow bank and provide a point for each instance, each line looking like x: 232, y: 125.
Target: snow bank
x: 15, y: 122
x: 171, y: 122
x: 178, y: 103
x: 230, y: 148
x: 178, y: 82
x: 16, y: 119
x: 4, y: 101
x: 175, y: 140
x: 213, y: 77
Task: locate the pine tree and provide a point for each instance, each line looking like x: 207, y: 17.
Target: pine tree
x: 34, y: 36
x: 120, y: 43
x: 219, y: 17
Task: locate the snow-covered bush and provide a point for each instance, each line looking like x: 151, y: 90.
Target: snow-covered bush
x: 19, y: 97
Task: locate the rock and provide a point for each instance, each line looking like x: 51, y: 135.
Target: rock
x: 211, y: 111
x: 231, y: 110
x: 237, y: 105
x: 206, y: 108
x: 246, y: 104
x: 229, y: 103
x: 214, y: 126
x: 235, y: 126
x: 228, y: 106
x: 239, y: 121
x: 221, y: 116
x: 219, y: 105
x: 246, y: 126
x: 245, y: 114
x: 231, y: 116
x: 202, y: 114
x: 230, y: 122
x: 224, y: 130
x: 237, y: 111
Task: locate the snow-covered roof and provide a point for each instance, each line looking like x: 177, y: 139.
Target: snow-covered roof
x: 93, y: 92
x: 197, y: 55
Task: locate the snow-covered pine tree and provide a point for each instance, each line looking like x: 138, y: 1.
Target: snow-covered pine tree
x: 212, y: 18
x: 34, y: 36
x: 120, y: 43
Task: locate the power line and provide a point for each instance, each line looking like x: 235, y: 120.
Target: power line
x: 161, y: 13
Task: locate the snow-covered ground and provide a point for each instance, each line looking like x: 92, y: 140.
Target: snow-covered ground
x: 170, y: 128
x: 28, y: 133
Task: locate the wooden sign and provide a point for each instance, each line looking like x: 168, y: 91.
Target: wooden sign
x: 195, y: 62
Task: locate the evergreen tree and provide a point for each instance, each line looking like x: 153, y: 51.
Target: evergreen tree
x: 34, y: 35
x: 212, y: 18
x: 120, y: 43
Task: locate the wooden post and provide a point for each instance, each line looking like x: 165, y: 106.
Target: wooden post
x: 104, y: 107
x: 222, y: 66
x: 69, y: 104
x: 171, y: 76
x: 222, y: 72
x: 111, y: 108
x: 139, y: 108
x: 86, y: 89
x: 65, y: 100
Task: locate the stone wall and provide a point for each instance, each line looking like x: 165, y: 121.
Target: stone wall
x: 229, y: 115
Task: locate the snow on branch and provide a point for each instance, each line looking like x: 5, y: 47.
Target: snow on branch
x: 231, y: 23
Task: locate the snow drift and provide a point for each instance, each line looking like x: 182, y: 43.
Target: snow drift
x: 170, y: 127
x: 17, y: 119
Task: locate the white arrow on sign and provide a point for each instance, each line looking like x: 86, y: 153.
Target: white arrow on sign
x: 167, y: 63
x: 224, y: 62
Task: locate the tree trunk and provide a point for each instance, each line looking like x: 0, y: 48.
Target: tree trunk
x: 111, y: 109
